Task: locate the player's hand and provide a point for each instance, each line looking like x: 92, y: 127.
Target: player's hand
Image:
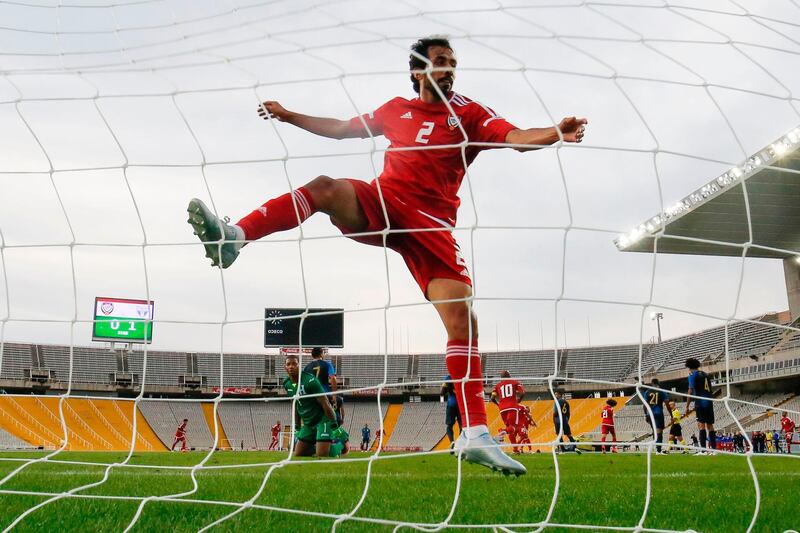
x: 272, y: 109
x: 572, y: 129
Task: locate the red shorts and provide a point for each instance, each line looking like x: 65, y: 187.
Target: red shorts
x: 510, y: 417
x: 428, y: 254
x: 606, y: 429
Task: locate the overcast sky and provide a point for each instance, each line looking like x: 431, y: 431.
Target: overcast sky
x: 674, y: 97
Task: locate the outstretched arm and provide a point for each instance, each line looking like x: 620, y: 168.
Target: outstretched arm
x: 572, y: 129
x: 326, y: 127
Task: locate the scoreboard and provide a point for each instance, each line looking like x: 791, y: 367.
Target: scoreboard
x: 321, y: 328
x: 122, y: 320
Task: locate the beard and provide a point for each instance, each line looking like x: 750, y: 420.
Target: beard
x: 445, y: 85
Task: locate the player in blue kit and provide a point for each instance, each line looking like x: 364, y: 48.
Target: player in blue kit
x: 366, y: 433
x: 655, y: 402
x: 700, y: 387
x: 451, y: 413
x: 323, y: 370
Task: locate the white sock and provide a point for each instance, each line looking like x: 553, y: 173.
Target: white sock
x: 239, y: 237
x: 476, y: 431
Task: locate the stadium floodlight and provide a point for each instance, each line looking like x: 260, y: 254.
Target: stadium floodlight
x: 785, y: 145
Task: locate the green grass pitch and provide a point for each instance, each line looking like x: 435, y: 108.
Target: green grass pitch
x: 704, y: 494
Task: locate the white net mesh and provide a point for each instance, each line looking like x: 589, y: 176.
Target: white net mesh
x: 114, y: 115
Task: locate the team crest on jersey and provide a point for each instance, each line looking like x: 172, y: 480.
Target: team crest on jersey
x: 453, y: 122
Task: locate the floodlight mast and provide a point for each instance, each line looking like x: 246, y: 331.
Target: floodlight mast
x: 657, y: 317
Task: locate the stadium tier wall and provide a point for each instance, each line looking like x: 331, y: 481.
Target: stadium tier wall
x: 765, y: 339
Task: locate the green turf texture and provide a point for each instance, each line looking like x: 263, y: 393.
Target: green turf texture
x: 704, y: 494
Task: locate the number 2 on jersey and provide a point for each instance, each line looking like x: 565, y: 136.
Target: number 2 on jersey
x: 424, y: 132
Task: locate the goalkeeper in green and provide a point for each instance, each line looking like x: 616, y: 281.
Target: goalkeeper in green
x: 319, y: 433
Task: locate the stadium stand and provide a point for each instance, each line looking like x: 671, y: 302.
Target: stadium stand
x: 163, y: 368
x: 359, y: 413
x: 657, y: 355
x: 769, y: 419
x: 165, y: 416
x: 605, y: 363
x: 242, y: 370
x: 416, y: 426
x: 265, y: 414
x: 540, y: 363
x: 755, y: 340
x: 430, y: 367
x: 237, y: 419
x: 16, y: 359
x: 10, y: 442
x: 368, y: 370
x: 744, y: 412
x: 208, y: 368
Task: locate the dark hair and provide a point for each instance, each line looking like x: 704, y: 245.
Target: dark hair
x: 421, y: 48
x: 291, y: 356
x: 692, y: 363
x: 316, y: 352
x: 655, y: 382
x: 185, y: 419
x: 612, y: 402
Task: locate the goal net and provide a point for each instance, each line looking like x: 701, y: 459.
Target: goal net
x: 114, y: 114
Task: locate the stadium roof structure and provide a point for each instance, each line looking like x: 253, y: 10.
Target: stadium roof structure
x: 713, y: 219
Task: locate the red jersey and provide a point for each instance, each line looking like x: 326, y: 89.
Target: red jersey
x: 181, y: 431
x: 430, y: 178
x: 276, y: 429
x: 607, y: 415
x: 525, y: 419
x: 787, y: 425
x: 506, y: 393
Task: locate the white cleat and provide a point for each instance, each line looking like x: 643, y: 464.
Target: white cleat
x: 485, y: 451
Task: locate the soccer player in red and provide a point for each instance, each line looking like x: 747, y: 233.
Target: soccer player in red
x: 507, y: 394
x: 787, y: 425
x: 607, y: 424
x: 276, y: 431
x: 525, y: 423
x: 180, y: 436
x: 377, y: 440
x: 417, y: 190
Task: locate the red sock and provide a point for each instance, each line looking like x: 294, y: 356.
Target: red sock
x: 278, y: 214
x: 469, y: 394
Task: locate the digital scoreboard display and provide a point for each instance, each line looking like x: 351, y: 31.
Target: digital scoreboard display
x: 122, y: 320
x: 323, y: 330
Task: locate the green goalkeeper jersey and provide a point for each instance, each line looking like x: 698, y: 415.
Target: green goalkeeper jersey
x: 309, y: 409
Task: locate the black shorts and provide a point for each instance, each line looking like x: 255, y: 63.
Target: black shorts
x: 452, y: 415
x: 365, y: 440
x: 557, y: 425
x: 676, y: 430
x: 705, y: 412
